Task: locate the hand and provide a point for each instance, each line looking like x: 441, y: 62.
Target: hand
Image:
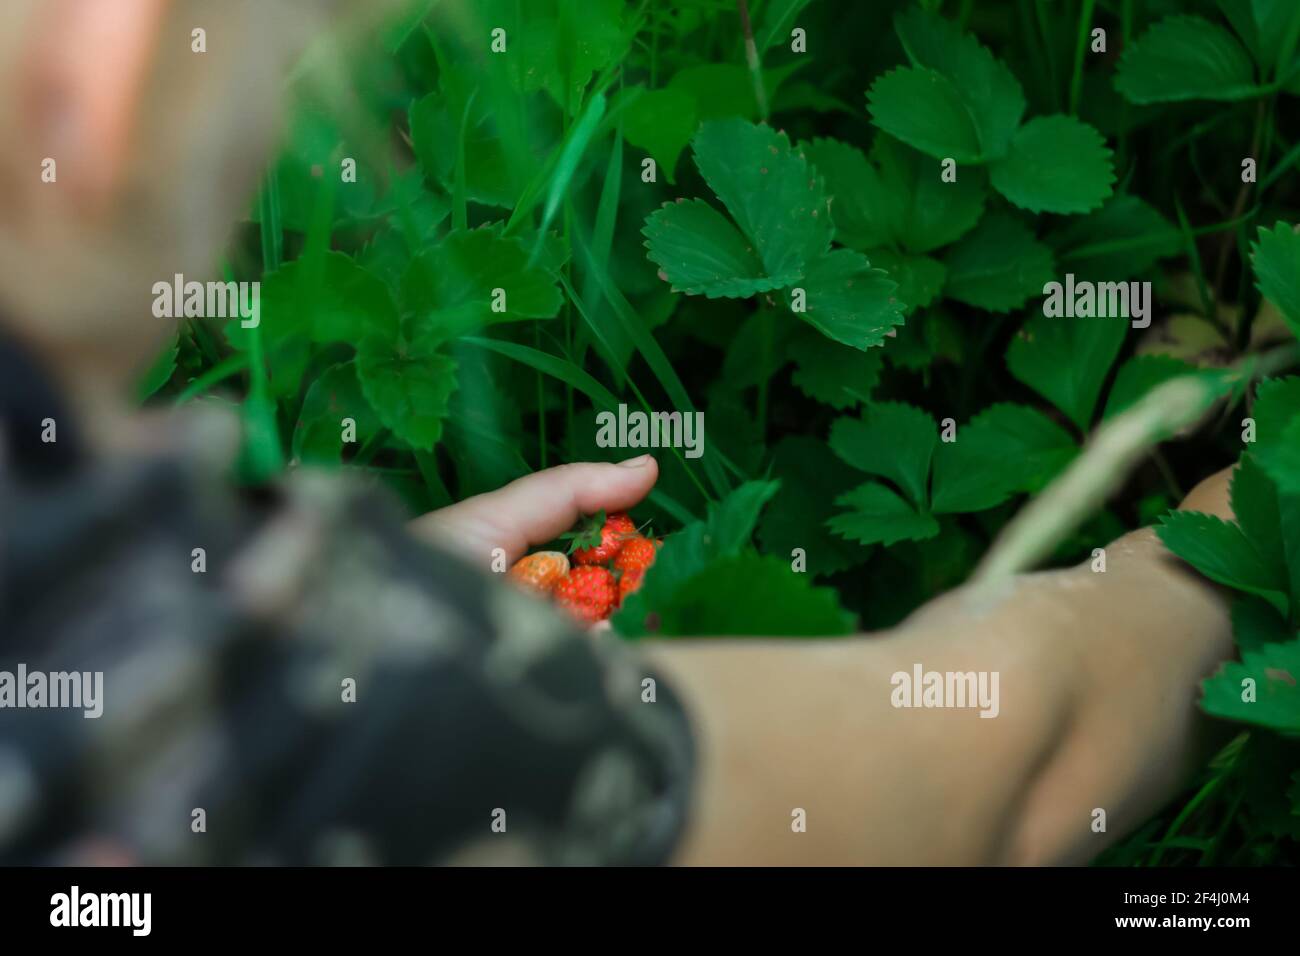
x: 536, y: 508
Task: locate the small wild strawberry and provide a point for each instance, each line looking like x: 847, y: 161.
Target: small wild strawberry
x: 628, y: 583
x: 637, y: 554
x: 539, y: 572
x: 588, y: 593
x: 600, y: 538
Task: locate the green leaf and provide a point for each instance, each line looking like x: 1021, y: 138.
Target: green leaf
x: 778, y: 18
x: 811, y: 477
x: 160, y: 372
x: 727, y: 531
x: 1140, y: 375
x: 435, y: 130
x: 847, y: 300
x: 1276, y: 260
x: 829, y: 372
x: 450, y: 288
x: 1004, y: 450
x: 661, y: 122
x: 924, y: 109
x: 1277, y: 431
x: 335, y: 395
x: 1255, y: 507
x: 1220, y: 551
x: 1274, y: 670
x: 898, y: 198
x: 920, y: 279
x: 878, y: 515
x: 749, y: 595
x: 1055, y: 164
x: 1185, y: 58
x: 408, y: 389
x: 700, y: 252
x: 772, y: 192
x: 892, y: 440
x: 1066, y: 361
x: 998, y: 266
x: 992, y: 95
x: 1256, y: 623
x: 1123, y: 238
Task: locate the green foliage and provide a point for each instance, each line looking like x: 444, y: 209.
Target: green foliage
x: 846, y: 277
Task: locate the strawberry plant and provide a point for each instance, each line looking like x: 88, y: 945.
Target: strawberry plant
x: 497, y: 220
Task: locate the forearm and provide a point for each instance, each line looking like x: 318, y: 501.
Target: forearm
x: 1098, y: 679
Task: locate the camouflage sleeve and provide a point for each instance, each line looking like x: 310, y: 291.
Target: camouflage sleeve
x: 303, y: 682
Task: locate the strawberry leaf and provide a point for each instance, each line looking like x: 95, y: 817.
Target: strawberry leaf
x: 1274, y: 669
x: 892, y: 440
x: 1276, y: 259
x: 879, y: 515
x: 998, y: 266
x: 1066, y: 361
x: 1222, y: 552
x: 752, y: 594
x: 701, y: 253
x: 1185, y: 58
x: 847, y: 300
x: 1055, y: 164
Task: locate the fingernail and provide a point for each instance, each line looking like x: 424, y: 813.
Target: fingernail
x: 639, y: 461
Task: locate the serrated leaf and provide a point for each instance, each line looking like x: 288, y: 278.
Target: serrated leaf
x: 1277, y: 431
x: 661, y: 122
x: 920, y: 279
x: 1256, y: 623
x: 1140, y: 375
x: 450, y: 288
x: 1185, y: 58
x: 879, y: 515
x: 923, y: 109
x: 771, y: 191
x: 725, y: 532
x: 749, y: 595
x: 409, y: 389
x: 334, y: 396
x: 701, y: 253
x: 1275, y: 672
x: 992, y: 94
x: 832, y: 373
x: 1220, y: 551
x: 1066, y: 361
x: 1003, y: 450
x: 811, y: 477
x: 897, y: 198
x: 998, y: 266
x: 847, y: 300
x: 1276, y: 260
x: 1255, y: 508
x: 892, y: 440
x: 1055, y: 164
x: 1123, y: 238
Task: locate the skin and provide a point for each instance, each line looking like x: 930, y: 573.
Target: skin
x: 1098, y: 672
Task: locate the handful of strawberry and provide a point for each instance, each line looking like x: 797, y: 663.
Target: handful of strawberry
x: 610, y: 557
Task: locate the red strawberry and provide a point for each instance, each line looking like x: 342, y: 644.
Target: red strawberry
x: 588, y: 593
x: 629, y: 582
x: 637, y: 554
x: 541, y: 571
x: 602, y: 538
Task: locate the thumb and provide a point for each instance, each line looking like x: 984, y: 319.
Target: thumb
x: 534, y: 509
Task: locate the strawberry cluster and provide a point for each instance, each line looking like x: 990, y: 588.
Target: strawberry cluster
x: 609, y: 561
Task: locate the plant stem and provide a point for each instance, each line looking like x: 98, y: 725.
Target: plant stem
x: 1080, y: 45
x: 752, y: 60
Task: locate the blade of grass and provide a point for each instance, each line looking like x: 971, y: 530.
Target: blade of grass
x: 1080, y: 46
x: 227, y: 368
x: 650, y: 350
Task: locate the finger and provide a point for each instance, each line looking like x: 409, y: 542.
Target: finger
x: 536, y: 508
